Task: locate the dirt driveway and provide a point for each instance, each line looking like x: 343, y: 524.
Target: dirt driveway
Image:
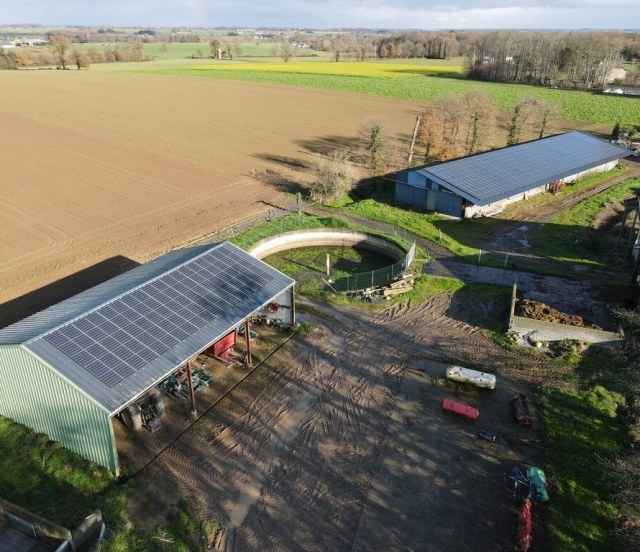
x: 339, y: 442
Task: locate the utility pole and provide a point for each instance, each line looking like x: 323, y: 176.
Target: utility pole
x: 413, y: 140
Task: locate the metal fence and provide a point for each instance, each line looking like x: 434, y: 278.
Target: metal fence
x: 374, y: 278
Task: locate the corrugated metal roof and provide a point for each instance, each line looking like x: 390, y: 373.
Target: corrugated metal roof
x: 38, y: 331
x: 56, y: 315
x: 498, y: 174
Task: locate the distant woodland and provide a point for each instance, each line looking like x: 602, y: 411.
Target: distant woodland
x: 563, y: 59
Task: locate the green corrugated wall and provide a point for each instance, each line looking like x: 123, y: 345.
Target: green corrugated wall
x: 33, y: 394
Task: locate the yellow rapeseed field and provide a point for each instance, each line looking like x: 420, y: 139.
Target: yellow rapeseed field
x: 351, y: 69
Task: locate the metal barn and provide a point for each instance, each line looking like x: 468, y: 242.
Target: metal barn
x: 69, y: 369
x: 484, y: 184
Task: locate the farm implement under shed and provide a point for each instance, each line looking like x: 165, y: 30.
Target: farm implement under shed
x: 101, y: 353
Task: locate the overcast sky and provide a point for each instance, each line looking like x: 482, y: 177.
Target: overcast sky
x: 390, y: 14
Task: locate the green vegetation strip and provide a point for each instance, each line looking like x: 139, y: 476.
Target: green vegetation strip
x: 581, y: 429
x: 575, y: 105
x: 567, y: 238
x: 570, y: 236
x: 45, y: 478
x: 301, y: 221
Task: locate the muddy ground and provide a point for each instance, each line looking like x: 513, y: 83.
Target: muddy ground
x: 339, y: 441
x: 541, y: 311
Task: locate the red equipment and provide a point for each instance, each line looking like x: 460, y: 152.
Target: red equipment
x: 221, y: 348
x: 461, y: 408
x: 524, y: 536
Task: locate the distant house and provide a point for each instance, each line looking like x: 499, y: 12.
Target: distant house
x: 484, y: 184
x: 616, y: 74
x: 6, y: 44
x: 30, y: 42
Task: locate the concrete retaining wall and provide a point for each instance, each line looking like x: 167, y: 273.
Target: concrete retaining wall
x: 540, y: 330
x: 321, y: 237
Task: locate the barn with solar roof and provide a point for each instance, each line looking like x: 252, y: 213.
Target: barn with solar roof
x: 68, y: 370
x: 484, y: 184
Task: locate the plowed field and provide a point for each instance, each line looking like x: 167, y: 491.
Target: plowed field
x: 102, y: 165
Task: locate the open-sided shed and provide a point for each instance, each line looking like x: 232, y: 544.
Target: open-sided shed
x: 485, y: 183
x: 68, y: 370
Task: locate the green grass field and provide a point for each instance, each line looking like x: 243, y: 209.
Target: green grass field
x: 581, y: 429
x: 415, y: 81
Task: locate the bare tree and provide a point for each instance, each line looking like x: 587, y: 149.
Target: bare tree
x: 431, y: 136
x: 481, y: 114
x: 379, y: 145
x: 164, y: 45
x: 214, y: 46
x: 522, y: 111
x: 60, y: 45
x: 81, y: 60
x: 544, y: 112
x: 453, y: 112
x: 286, y: 51
x: 334, y: 177
x: 137, y: 51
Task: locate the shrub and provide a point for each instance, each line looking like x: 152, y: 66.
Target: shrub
x: 334, y: 177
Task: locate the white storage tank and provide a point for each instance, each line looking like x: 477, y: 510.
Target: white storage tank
x: 474, y: 377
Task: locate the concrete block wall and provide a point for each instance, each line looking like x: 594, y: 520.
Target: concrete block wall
x: 540, y: 330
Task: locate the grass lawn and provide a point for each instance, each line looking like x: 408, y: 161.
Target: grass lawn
x: 307, y: 265
x: 45, y: 478
x: 565, y: 241
x: 569, y: 237
x: 49, y: 480
x: 581, y: 428
x: 294, y: 222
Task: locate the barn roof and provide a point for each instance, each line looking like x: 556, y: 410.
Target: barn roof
x: 116, y: 340
x: 498, y: 174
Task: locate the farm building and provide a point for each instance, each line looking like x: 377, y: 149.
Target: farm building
x: 484, y: 184
x: 68, y: 370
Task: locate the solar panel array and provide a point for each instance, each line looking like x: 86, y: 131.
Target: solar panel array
x: 121, y: 337
x: 496, y: 174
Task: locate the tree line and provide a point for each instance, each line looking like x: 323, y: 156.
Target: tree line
x: 449, y: 128
x: 563, y: 59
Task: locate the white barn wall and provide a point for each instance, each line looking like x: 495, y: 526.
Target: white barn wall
x: 498, y: 206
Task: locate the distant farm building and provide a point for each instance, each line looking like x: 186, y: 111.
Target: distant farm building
x: 484, y: 184
x: 68, y: 370
x: 31, y: 42
x: 616, y: 74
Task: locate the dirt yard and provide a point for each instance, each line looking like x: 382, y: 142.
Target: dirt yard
x: 339, y: 442
x: 101, y: 165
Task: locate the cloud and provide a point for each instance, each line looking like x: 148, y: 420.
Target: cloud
x: 414, y: 14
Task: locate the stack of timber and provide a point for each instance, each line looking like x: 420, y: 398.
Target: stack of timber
x: 402, y: 285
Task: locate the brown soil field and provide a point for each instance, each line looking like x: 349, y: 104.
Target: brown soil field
x: 102, y: 165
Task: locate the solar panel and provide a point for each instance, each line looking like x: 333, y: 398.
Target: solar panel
x: 122, y: 337
x: 496, y: 174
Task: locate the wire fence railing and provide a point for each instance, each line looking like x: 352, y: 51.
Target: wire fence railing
x: 353, y: 282
x: 374, y: 278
